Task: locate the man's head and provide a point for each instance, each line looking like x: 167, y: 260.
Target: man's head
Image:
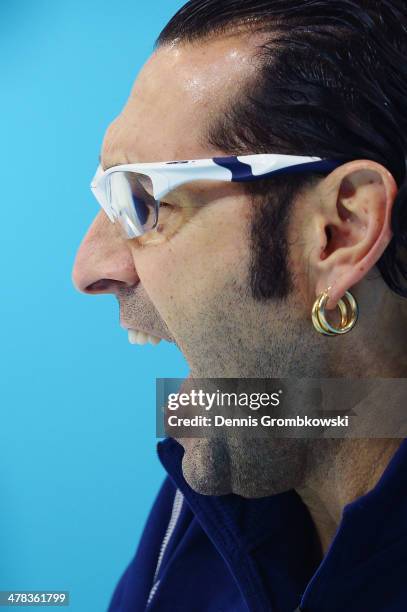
x: 231, y: 271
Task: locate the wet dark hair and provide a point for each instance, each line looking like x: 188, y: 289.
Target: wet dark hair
x: 332, y: 83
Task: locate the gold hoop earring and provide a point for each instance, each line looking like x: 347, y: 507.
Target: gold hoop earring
x: 348, y: 321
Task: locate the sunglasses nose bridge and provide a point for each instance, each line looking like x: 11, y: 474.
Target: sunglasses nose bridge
x: 101, y: 197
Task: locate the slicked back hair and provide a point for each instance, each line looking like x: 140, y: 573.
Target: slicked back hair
x: 331, y: 82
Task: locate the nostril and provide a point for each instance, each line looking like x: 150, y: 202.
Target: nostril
x: 102, y: 285
x: 106, y: 285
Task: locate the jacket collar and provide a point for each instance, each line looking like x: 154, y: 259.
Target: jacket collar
x: 281, y: 527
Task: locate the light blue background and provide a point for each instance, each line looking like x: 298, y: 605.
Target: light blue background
x: 78, y: 466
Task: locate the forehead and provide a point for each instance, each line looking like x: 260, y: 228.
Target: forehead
x: 180, y: 90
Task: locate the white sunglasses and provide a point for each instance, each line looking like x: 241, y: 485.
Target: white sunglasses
x: 131, y: 193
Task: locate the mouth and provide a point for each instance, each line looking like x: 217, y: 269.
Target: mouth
x: 140, y: 318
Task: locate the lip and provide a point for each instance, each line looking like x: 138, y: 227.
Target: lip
x: 137, y: 311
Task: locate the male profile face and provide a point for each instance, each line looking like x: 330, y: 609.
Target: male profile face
x: 188, y: 280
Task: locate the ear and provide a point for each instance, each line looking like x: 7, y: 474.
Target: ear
x: 352, y: 226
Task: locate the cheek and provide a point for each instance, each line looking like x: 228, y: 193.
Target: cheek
x: 195, y: 264
x: 171, y: 220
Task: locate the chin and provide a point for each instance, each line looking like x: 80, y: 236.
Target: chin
x: 216, y: 466
x: 204, y: 466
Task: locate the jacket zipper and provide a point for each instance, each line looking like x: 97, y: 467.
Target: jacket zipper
x: 175, y: 513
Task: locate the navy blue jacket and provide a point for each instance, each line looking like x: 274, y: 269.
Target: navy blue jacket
x: 203, y: 553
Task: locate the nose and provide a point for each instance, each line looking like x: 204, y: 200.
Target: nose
x: 104, y: 262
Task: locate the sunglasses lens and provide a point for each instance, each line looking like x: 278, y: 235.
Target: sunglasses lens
x: 132, y: 201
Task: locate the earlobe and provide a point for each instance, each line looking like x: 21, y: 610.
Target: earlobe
x: 357, y: 205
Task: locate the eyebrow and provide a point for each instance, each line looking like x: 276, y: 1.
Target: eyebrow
x: 110, y: 165
x: 107, y: 168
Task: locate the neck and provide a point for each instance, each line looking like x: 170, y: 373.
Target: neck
x: 350, y: 468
